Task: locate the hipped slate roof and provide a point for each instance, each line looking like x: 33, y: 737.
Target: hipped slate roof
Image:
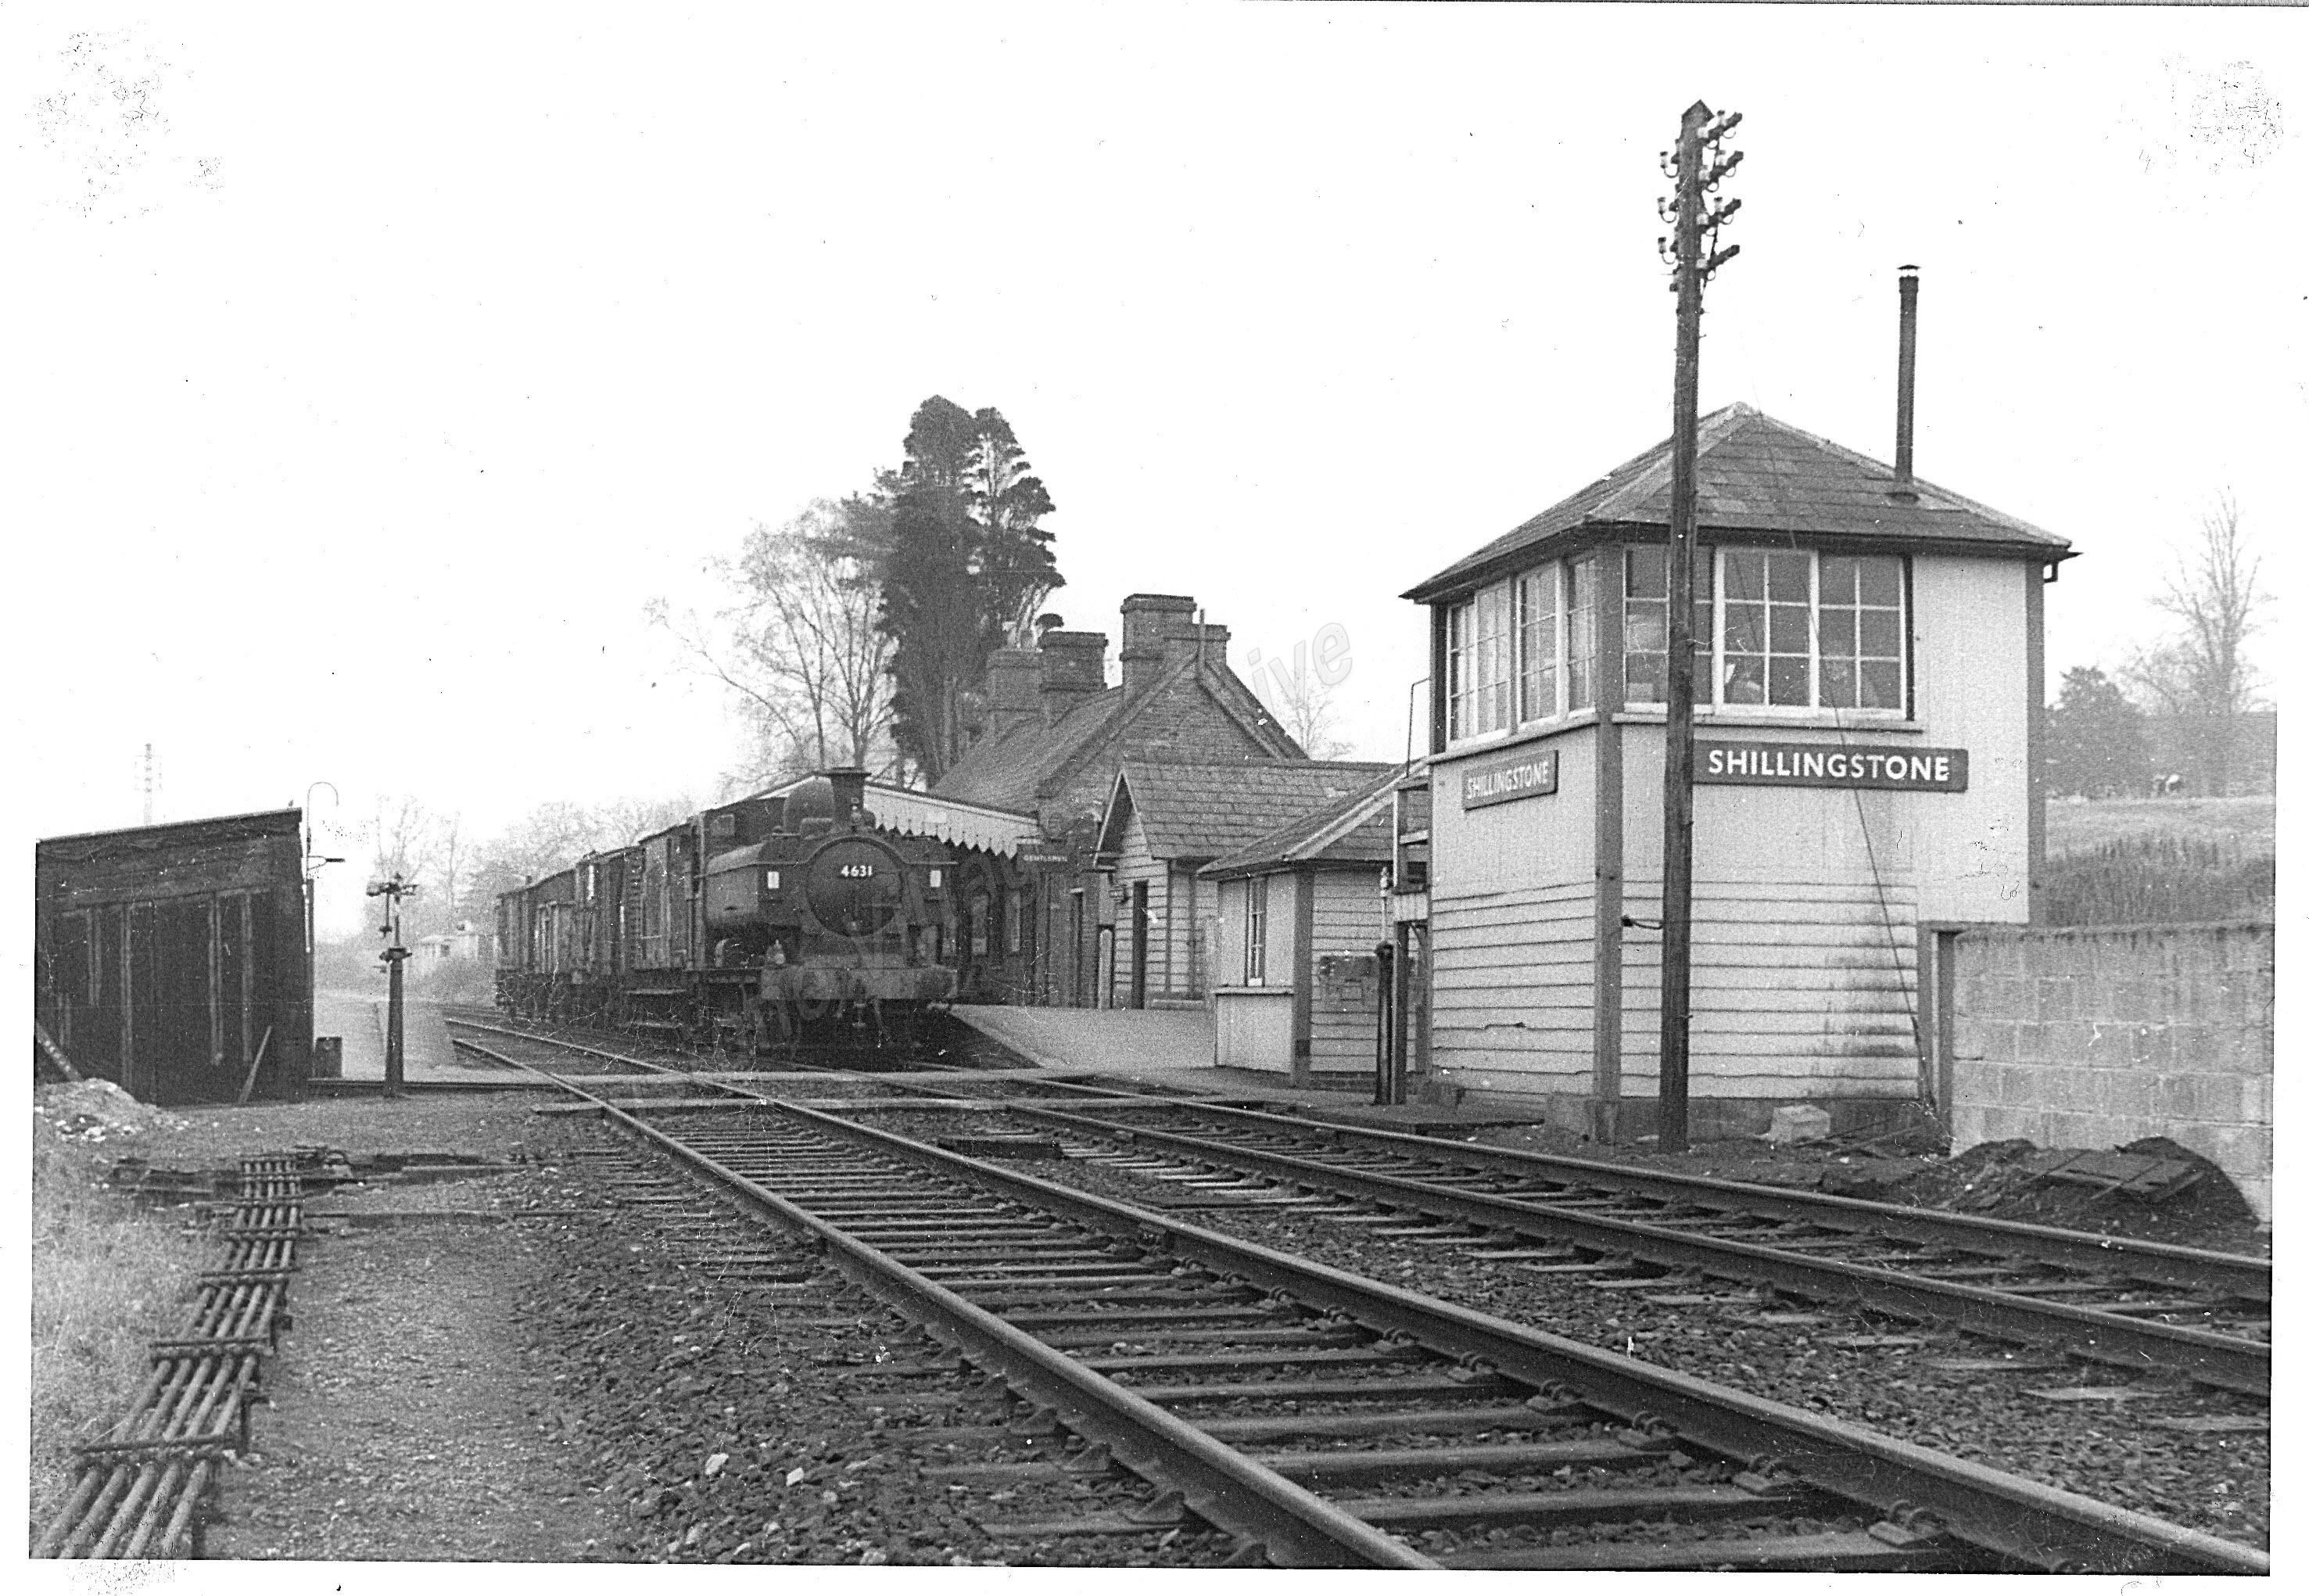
x: 1199, y: 812
x: 1356, y: 829
x: 1757, y: 476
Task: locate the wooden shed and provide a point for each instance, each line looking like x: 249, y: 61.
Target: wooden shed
x: 166, y: 957
x: 1870, y: 683
x: 1164, y: 820
x: 1300, y: 915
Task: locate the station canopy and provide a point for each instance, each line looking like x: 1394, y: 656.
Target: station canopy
x: 912, y: 813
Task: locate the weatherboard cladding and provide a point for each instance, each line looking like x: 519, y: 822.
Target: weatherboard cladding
x: 1350, y: 919
x: 1196, y: 810
x: 1757, y: 476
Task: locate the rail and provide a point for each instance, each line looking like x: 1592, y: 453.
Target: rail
x: 1922, y: 1500
x: 140, y: 1492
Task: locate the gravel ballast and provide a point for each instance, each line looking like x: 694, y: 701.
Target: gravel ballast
x: 577, y: 1384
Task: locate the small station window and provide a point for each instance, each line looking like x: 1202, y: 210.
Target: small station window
x: 1254, y: 939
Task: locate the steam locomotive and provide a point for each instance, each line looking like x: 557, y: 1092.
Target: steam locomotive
x: 772, y: 922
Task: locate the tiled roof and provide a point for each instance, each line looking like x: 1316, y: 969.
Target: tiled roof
x: 1758, y: 474
x: 1007, y: 769
x: 1197, y: 810
x: 1013, y: 769
x: 1357, y: 829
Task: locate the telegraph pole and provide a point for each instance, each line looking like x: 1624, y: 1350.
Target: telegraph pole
x: 393, y: 889
x: 1699, y: 167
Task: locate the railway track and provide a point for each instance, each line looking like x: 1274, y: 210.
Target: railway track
x: 1324, y: 1420
x: 2140, y: 1306
x: 2135, y: 1304
x: 141, y: 1489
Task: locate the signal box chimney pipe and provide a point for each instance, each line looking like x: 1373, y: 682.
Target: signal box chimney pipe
x: 1904, y: 442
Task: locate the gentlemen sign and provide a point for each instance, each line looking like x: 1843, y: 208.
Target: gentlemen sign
x: 1833, y: 765
x: 1526, y: 774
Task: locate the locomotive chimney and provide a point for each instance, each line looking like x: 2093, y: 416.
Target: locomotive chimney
x: 849, y: 794
x: 1904, y: 426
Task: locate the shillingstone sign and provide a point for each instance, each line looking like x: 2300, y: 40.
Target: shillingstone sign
x: 1831, y: 765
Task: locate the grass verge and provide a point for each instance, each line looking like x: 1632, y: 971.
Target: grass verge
x: 107, y: 1278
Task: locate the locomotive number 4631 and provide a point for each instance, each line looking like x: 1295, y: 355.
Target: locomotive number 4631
x: 855, y: 870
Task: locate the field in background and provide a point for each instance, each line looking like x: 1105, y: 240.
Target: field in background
x: 2160, y: 861
x: 2073, y: 827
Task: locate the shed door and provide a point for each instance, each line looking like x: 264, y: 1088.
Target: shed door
x: 100, y: 1039
x: 236, y: 1043
x: 174, y: 1055
x: 275, y: 959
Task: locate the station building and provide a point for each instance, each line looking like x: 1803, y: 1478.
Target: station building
x: 1868, y: 689
x: 1166, y: 820
x: 1042, y: 918
x: 1299, y: 915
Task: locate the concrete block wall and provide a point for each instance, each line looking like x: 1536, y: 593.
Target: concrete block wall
x: 2093, y: 1037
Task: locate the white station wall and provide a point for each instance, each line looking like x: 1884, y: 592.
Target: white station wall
x: 1805, y: 899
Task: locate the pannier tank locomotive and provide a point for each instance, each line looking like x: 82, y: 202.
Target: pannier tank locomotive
x: 772, y: 920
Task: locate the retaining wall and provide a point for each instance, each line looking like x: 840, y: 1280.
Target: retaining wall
x: 2092, y: 1036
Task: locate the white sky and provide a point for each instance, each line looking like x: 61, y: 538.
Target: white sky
x: 410, y: 351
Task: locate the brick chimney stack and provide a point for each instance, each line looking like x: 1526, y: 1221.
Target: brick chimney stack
x: 1147, y: 619
x: 1073, y: 668
x: 1159, y: 632
x: 1014, y: 689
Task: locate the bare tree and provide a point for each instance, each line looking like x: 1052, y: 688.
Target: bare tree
x: 799, y: 645
x: 553, y: 836
x: 1304, y: 704
x: 426, y: 846
x: 2201, y: 675
x: 401, y: 836
x: 456, y: 859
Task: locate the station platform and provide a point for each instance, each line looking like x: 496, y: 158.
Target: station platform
x: 426, y: 1054
x: 1102, y: 1041
x: 1171, y: 1050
